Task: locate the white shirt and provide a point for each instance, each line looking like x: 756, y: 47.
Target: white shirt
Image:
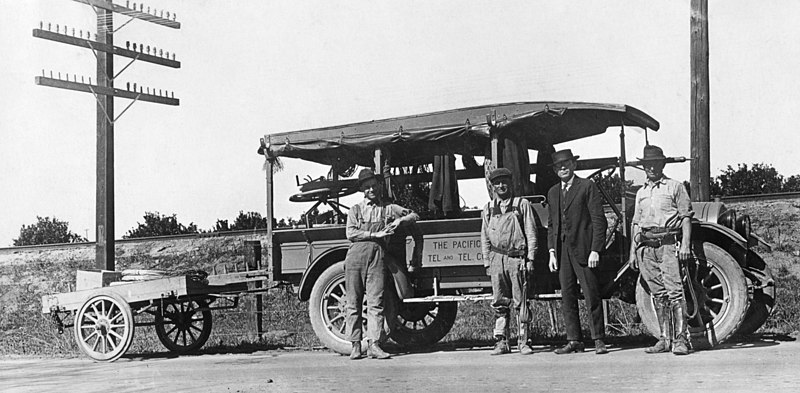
x: 568, y: 184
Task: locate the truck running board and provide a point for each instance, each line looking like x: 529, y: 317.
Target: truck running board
x: 473, y: 298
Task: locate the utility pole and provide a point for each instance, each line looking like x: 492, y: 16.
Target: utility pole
x: 700, y: 175
x: 104, y: 92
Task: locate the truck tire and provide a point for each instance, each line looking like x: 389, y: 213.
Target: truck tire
x: 722, y: 291
x: 423, y: 324
x: 326, y: 309
x: 761, y: 306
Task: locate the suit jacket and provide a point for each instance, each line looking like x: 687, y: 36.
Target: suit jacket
x: 584, y: 223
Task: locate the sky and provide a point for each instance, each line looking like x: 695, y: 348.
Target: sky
x: 250, y: 68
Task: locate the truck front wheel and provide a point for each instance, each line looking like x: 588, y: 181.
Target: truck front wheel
x: 720, y: 288
x: 327, y: 309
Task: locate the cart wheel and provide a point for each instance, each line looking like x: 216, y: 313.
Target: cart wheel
x: 184, y: 327
x: 104, y: 327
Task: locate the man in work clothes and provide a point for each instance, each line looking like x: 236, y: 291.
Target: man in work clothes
x: 508, y: 243
x: 575, y: 238
x: 368, y: 224
x: 661, y: 231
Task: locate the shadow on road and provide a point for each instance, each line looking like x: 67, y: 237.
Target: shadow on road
x: 541, y: 345
x: 615, y: 344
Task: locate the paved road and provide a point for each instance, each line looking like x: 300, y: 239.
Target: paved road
x: 764, y: 365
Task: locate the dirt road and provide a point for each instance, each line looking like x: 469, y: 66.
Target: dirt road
x: 765, y: 365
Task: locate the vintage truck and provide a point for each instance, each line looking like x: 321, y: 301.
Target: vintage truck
x: 729, y: 284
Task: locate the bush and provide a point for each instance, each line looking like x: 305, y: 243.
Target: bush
x: 156, y: 224
x: 47, y: 231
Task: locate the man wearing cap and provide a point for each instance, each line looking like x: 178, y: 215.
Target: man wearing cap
x: 661, y: 231
x: 575, y: 238
x: 369, y: 223
x: 508, y: 243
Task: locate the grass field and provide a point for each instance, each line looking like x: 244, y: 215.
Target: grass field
x: 24, y: 330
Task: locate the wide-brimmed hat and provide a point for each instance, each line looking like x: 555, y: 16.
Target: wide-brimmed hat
x: 498, y: 173
x: 653, y: 153
x: 365, y: 175
x: 563, y: 155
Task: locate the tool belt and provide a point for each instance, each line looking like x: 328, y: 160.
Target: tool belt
x: 656, y: 237
x: 512, y: 253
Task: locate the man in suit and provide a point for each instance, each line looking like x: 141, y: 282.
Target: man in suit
x: 575, y: 237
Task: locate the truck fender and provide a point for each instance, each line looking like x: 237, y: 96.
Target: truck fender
x: 322, y: 262
x: 723, y: 237
x: 329, y: 257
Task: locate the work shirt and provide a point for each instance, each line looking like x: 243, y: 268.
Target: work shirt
x: 367, y: 217
x: 662, y: 203
x: 528, y: 226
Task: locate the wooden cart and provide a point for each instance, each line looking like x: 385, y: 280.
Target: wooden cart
x: 104, y: 310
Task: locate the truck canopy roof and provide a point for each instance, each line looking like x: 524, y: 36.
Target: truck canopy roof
x: 416, y: 139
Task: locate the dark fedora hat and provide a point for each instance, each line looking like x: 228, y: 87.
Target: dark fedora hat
x: 365, y: 175
x: 563, y: 155
x: 653, y: 153
x: 498, y: 173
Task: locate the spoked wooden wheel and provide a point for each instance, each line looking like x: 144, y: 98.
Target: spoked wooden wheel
x: 324, y: 190
x: 104, y: 327
x: 721, y: 292
x: 423, y: 324
x: 327, y: 309
x: 185, y: 326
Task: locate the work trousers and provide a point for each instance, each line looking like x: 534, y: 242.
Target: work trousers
x: 365, y: 275
x: 661, y: 271
x: 507, y: 283
x: 570, y: 273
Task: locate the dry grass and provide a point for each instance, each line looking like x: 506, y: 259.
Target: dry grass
x: 25, y: 331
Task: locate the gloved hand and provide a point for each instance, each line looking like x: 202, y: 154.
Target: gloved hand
x: 526, y: 267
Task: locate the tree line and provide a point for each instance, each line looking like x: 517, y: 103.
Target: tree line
x: 48, y: 230
x: 742, y: 180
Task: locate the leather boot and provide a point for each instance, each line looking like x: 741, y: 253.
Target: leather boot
x: 375, y: 351
x: 600, y: 347
x: 355, y: 353
x: 663, y: 314
x: 572, y: 346
x: 501, y: 346
x: 680, y: 345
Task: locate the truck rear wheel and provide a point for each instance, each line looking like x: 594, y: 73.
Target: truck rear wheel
x: 721, y: 291
x: 423, y: 324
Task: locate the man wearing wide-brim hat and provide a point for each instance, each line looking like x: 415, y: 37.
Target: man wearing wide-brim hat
x: 575, y: 238
x: 369, y: 224
x: 661, y: 230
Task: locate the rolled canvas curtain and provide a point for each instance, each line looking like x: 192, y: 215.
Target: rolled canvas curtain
x: 515, y: 159
x: 444, y: 199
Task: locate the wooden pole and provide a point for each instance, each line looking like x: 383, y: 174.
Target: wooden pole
x: 271, y: 264
x: 104, y: 255
x: 700, y: 176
